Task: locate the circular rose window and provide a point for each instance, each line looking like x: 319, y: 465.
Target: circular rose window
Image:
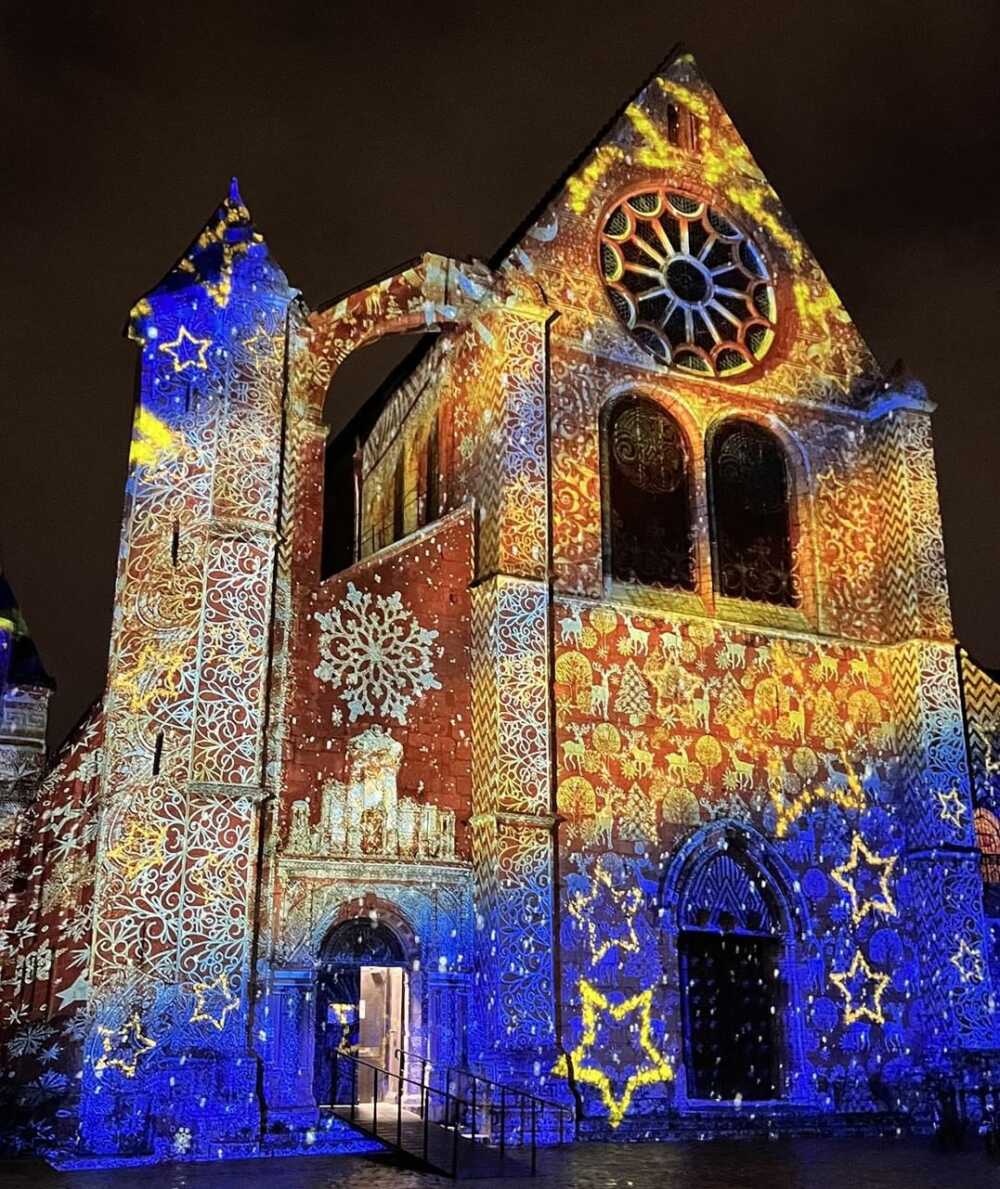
x: 693, y: 288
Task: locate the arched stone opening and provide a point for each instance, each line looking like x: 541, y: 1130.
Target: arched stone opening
x: 363, y: 996
x: 737, y: 922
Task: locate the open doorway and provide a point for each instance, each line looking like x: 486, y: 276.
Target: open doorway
x: 362, y: 1008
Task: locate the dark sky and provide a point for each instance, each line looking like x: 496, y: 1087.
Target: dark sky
x: 366, y: 133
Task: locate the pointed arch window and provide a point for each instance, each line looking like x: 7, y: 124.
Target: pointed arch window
x: 648, y: 515
x: 430, y: 477
x: 399, y: 498
x: 752, y: 515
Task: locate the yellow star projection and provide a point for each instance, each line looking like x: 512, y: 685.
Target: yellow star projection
x: 863, y: 860
x: 186, y: 350
x: 139, y: 846
x: 627, y: 901
x: 851, y: 798
x: 261, y: 342
x: 952, y: 807
x: 213, y: 1002
x: 968, y: 961
x: 869, y: 1005
x: 122, y: 1047
x: 596, y: 1005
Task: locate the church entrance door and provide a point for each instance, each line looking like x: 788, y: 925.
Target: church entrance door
x: 731, y: 1012
x: 362, y: 1008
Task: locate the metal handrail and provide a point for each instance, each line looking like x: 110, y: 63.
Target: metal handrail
x: 404, y: 1055
x: 471, y: 1073
x: 524, y: 1095
x: 452, y: 1107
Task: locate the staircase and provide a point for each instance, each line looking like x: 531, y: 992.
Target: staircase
x: 466, y: 1127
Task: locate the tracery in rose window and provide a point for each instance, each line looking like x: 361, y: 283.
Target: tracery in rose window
x: 751, y: 494
x: 649, y: 513
x: 693, y: 288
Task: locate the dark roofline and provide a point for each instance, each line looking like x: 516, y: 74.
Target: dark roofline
x: 553, y: 192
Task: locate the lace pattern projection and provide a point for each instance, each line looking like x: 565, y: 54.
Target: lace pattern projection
x: 693, y: 288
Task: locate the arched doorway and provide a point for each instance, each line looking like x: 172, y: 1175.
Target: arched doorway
x: 362, y: 1006
x: 732, y: 942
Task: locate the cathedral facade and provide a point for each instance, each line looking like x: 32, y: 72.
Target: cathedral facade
x: 589, y: 715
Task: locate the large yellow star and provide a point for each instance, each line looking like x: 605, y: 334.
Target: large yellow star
x: 122, y: 1047
x: 626, y: 900
x: 862, y: 858
x: 968, y: 961
x: 952, y: 807
x: 186, y: 350
x: 658, y: 1068
x: 216, y: 992
x: 870, y: 993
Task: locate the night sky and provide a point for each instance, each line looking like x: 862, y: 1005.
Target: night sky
x: 365, y: 134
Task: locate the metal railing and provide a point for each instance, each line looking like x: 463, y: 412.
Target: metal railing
x: 447, y: 1122
x: 405, y: 1057
x: 495, y: 1098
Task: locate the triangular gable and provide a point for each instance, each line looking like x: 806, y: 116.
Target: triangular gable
x: 822, y: 356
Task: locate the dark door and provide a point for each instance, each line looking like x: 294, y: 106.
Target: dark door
x: 731, y: 1011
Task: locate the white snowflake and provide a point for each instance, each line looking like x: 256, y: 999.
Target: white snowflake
x: 182, y: 1141
x: 29, y: 1040
x: 377, y: 653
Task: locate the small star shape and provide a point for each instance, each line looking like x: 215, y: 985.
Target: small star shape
x: 862, y: 860
x: 968, y: 961
x: 122, y: 1047
x: 260, y: 342
x: 213, y: 1002
x: 186, y: 350
x: 655, y: 1069
x: 626, y: 901
x: 869, y: 993
x: 952, y: 808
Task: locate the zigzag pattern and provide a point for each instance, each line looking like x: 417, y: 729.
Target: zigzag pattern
x: 897, y: 573
x: 982, y: 707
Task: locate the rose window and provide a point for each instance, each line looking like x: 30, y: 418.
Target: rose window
x: 693, y: 288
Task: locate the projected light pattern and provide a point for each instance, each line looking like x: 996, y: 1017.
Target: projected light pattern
x: 480, y: 777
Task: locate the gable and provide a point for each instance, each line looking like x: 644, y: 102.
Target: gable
x: 675, y: 136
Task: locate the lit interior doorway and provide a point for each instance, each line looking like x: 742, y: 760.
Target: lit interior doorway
x: 362, y: 1008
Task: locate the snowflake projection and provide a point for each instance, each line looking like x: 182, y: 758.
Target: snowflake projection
x: 374, y: 649
x: 182, y: 1141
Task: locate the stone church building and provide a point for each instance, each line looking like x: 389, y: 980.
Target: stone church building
x: 588, y: 714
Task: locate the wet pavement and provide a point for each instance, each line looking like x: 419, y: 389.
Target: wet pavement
x: 780, y: 1164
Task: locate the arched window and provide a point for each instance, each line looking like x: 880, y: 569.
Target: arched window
x: 988, y: 840
x: 430, y: 477
x: 399, y: 498
x: 751, y: 491
x: 649, y: 496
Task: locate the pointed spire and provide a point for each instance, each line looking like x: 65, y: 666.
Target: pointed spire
x: 209, y: 266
